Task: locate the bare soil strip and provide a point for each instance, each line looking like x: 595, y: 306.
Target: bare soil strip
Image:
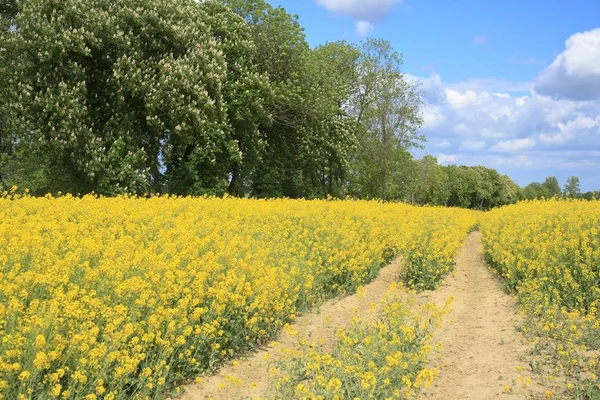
x: 320, y: 326
x: 482, y: 352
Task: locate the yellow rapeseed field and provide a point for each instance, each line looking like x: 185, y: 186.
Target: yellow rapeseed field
x: 384, y: 356
x: 118, y: 298
x: 548, y: 252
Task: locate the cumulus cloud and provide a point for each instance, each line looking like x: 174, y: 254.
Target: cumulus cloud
x: 526, y: 129
x: 448, y: 158
x: 361, y: 10
x: 472, y: 145
x: 528, y: 136
x: 492, y: 85
x: 364, y: 28
x: 567, y: 131
x: 575, y: 73
x: 457, y: 99
x: 513, y: 145
x: 433, y: 115
x: 443, y: 144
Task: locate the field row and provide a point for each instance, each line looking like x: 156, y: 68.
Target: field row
x: 548, y: 253
x: 120, y: 298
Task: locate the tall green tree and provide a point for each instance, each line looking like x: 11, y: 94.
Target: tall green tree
x: 510, y: 192
x: 571, y: 188
x: 551, y: 184
x: 430, y: 182
x: 330, y: 80
x: 109, y: 90
x: 282, y: 54
x: 387, y: 112
x: 308, y: 142
x: 246, y: 91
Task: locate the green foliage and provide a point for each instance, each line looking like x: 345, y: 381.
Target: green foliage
x: 430, y: 182
x: 382, y: 356
x: 212, y: 97
x: 387, y: 112
x: 572, y: 187
x: 479, y: 188
x: 100, y: 87
x: 551, y: 188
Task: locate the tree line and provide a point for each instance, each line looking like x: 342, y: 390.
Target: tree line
x: 195, y: 98
x: 213, y: 97
x: 551, y: 188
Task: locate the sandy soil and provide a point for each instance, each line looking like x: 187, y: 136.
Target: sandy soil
x: 320, y: 325
x: 482, y: 353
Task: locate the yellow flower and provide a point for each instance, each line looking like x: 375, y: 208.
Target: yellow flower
x: 23, y: 376
x: 56, y: 389
x: 124, y: 284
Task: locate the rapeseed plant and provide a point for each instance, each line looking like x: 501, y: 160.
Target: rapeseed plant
x: 126, y: 297
x: 375, y: 358
x: 548, y: 252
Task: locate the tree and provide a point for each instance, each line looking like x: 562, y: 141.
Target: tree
x: 112, y: 91
x: 329, y: 81
x: 536, y: 190
x: 551, y: 184
x: 430, y: 182
x: 387, y: 112
x: 510, y: 191
x: 245, y: 90
x: 479, y: 187
x: 591, y: 195
x: 571, y: 188
x: 282, y: 54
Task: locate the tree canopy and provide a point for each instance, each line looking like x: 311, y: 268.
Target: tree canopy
x: 214, y: 97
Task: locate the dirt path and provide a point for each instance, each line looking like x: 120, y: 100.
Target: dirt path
x: 320, y: 325
x: 483, y: 357
x: 482, y: 352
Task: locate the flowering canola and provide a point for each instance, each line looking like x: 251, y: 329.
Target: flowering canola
x: 119, y: 298
x: 548, y: 252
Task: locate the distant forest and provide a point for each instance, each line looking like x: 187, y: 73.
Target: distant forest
x: 215, y: 97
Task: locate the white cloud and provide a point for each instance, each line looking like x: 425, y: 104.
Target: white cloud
x: 580, y: 123
x: 433, y: 116
x: 575, y: 73
x: 517, y: 161
x: 569, y: 130
x: 512, y: 127
x: 513, y: 145
x: 492, y: 85
x: 364, y: 28
x: 488, y: 133
x: 457, y: 99
x: 479, y: 39
x: 461, y: 128
x: 555, y: 139
x: 472, y: 145
x: 448, y: 158
x: 361, y: 10
x: 520, y: 102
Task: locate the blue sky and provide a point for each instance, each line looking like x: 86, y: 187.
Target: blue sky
x: 513, y: 85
